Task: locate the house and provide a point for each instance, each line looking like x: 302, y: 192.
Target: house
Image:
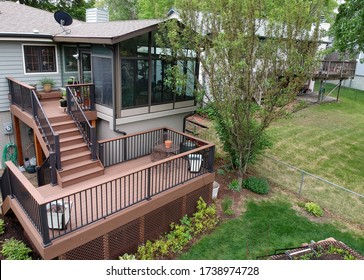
x: 106, y: 183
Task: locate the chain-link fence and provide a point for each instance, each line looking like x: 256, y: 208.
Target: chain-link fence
x: 335, y: 199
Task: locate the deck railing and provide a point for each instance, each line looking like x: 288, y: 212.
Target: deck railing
x: 336, y: 69
x: 26, y: 98
x: 89, y: 205
x: 79, y: 99
x: 118, y: 150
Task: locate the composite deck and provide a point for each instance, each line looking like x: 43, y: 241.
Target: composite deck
x: 132, y: 186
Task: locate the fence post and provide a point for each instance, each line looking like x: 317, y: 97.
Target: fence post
x: 301, y: 184
x: 44, y: 225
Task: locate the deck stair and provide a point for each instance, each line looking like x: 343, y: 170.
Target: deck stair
x: 77, y: 165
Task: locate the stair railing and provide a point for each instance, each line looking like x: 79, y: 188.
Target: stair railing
x: 75, y: 105
x: 25, y: 97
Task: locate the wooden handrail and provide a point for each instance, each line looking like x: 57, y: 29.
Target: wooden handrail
x: 20, y: 83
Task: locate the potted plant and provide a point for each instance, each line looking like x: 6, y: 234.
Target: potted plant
x: 47, y: 84
x: 71, y: 80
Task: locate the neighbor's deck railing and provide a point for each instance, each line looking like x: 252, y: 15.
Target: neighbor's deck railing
x: 119, y: 192
x: 336, y: 69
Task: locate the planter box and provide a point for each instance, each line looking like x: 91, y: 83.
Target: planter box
x: 58, y: 214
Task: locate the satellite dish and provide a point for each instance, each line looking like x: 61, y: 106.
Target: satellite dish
x: 63, y: 18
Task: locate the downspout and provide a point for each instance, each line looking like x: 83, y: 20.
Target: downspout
x: 117, y: 69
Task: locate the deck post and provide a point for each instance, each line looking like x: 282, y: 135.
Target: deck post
x: 211, y: 159
x: 93, y: 143
x: 101, y: 153
x: 38, y: 150
x: 18, y: 140
x: 57, y: 150
x: 52, y: 163
x: 44, y: 225
x: 149, y: 197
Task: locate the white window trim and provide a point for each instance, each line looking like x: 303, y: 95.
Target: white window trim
x: 40, y: 45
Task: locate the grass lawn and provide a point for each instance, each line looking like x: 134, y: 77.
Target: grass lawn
x: 264, y: 227
x: 326, y: 139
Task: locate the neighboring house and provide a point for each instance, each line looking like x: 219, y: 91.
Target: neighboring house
x: 104, y: 184
x: 358, y: 80
x: 332, y: 69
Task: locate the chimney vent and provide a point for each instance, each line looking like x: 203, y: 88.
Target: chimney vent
x: 97, y: 15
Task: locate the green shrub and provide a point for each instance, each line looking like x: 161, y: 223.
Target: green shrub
x: 301, y: 204
x: 2, y: 226
x: 180, y: 234
x: 234, y: 186
x: 221, y: 171
x: 127, y: 257
x: 15, y: 250
x: 314, y: 209
x: 226, y: 206
x: 257, y: 185
x: 205, y: 218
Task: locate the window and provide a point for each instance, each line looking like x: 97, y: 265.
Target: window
x: 134, y: 80
x: 70, y: 61
x: 40, y: 59
x: 146, y: 73
x: 102, y: 71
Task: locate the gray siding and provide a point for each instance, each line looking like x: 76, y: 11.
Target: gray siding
x: 11, y: 65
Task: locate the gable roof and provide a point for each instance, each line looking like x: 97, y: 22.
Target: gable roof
x: 22, y: 20
x: 18, y: 20
x: 107, y: 32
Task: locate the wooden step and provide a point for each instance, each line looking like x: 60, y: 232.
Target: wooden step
x: 63, y: 125
x: 73, y: 149
x: 82, y: 176
x: 60, y: 118
x: 75, y: 158
x: 71, y: 140
x: 64, y: 133
x: 80, y: 166
x: 45, y: 96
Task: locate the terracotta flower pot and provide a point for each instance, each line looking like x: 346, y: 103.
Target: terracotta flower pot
x: 47, y: 87
x: 168, y: 144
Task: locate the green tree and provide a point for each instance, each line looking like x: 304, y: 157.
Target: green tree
x: 76, y: 8
x: 348, y: 29
x: 248, y: 49
x: 120, y: 9
x: 154, y: 9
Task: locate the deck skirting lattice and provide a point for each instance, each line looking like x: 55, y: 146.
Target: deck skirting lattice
x: 127, y: 238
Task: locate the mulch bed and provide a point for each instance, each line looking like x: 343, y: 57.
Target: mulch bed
x: 322, y: 247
